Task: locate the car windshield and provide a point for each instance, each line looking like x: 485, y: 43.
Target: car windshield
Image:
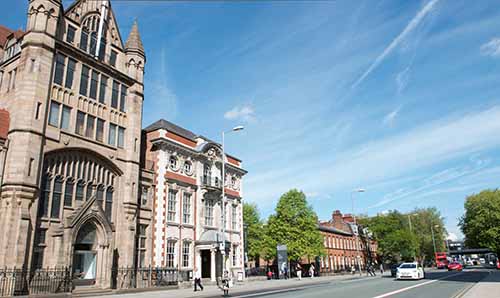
x: 408, y: 266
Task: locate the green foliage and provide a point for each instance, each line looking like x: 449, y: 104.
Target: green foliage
x: 254, y: 230
x: 481, y: 221
x: 295, y: 225
x: 395, y: 240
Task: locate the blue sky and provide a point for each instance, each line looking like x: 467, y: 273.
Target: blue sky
x: 401, y: 98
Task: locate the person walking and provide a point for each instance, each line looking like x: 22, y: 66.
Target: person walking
x: 197, y: 279
x: 381, y: 268
x: 311, y: 271
x: 298, y: 268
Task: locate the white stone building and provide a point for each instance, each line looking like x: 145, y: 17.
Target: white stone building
x: 187, y: 201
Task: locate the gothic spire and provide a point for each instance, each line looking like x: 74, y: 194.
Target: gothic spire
x: 134, y: 42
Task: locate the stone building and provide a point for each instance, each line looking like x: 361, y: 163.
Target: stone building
x: 72, y: 91
x: 343, y: 245
x: 187, y: 201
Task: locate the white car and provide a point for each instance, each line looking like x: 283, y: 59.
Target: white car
x: 410, y: 271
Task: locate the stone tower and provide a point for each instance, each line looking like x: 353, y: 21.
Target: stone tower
x: 72, y: 180
x: 27, y: 104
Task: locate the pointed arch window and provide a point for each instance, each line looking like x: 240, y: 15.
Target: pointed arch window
x: 79, y: 195
x: 109, y: 203
x: 100, y: 194
x: 44, y: 198
x: 68, y: 192
x: 60, y: 187
x: 56, y: 198
x: 90, y: 191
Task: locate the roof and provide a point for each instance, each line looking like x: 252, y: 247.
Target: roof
x: 333, y: 230
x: 4, y: 33
x: 134, y: 41
x: 169, y: 126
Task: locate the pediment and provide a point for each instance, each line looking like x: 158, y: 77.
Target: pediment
x: 80, y: 10
x: 91, y: 208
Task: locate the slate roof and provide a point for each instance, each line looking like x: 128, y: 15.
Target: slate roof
x: 333, y: 230
x: 169, y: 126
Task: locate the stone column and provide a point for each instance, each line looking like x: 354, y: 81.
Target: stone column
x: 212, y: 265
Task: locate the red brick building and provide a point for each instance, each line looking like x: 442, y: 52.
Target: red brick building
x: 341, y: 245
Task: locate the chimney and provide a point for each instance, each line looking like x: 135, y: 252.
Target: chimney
x: 348, y: 218
x: 336, y: 216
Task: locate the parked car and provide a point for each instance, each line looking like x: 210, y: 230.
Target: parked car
x: 455, y: 266
x: 394, y: 269
x: 410, y: 271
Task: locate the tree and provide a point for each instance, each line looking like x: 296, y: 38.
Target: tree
x: 397, y: 242
x: 254, y: 231
x: 481, y: 220
x: 426, y: 221
x: 296, y: 225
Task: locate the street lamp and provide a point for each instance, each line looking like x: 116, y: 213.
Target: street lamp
x: 359, y: 190
x: 433, y: 239
x: 223, y: 201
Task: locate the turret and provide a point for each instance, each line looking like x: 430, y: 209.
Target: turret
x: 136, y: 57
x: 43, y: 15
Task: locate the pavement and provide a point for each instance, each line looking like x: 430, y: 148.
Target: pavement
x: 471, y: 283
x: 489, y: 287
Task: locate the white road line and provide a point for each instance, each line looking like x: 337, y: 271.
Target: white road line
x: 415, y: 286
x: 270, y: 292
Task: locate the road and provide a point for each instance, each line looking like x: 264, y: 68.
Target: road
x: 442, y: 284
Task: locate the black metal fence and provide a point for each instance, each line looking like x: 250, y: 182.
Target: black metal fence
x: 149, y: 277
x: 15, y: 282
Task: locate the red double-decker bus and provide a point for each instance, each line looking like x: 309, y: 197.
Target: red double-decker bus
x: 441, y: 260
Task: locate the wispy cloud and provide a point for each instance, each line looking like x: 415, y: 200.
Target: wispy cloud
x: 388, y: 158
x: 243, y: 113
x: 491, y: 48
x: 391, y: 117
x: 162, y: 99
x: 419, y: 17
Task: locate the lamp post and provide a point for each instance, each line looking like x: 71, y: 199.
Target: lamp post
x: 411, y: 232
x: 433, y: 239
x: 355, y: 224
x: 223, y: 200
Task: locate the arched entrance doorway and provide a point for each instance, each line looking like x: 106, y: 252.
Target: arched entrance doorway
x: 85, y: 256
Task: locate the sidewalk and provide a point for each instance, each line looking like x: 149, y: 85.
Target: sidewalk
x: 240, y: 288
x: 489, y: 287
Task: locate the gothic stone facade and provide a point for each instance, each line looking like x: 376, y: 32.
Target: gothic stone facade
x: 71, y: 174
x: 187, y: 201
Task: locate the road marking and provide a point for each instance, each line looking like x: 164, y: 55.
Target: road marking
x: 415, y: 286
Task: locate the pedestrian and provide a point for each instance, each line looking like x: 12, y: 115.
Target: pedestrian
x: 285, y: 272
x: 197, y: 279
x: 225, y: 283
x: 353, y: 270
x: 381, y: 268
x: 269, y: 275
x: 372, y: 270
x: 311, y: 271
x: 298, y: 268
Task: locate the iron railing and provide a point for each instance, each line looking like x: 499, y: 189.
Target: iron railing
x: 149, y: 277
x: 212, y: 181
x: 15, y: 282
